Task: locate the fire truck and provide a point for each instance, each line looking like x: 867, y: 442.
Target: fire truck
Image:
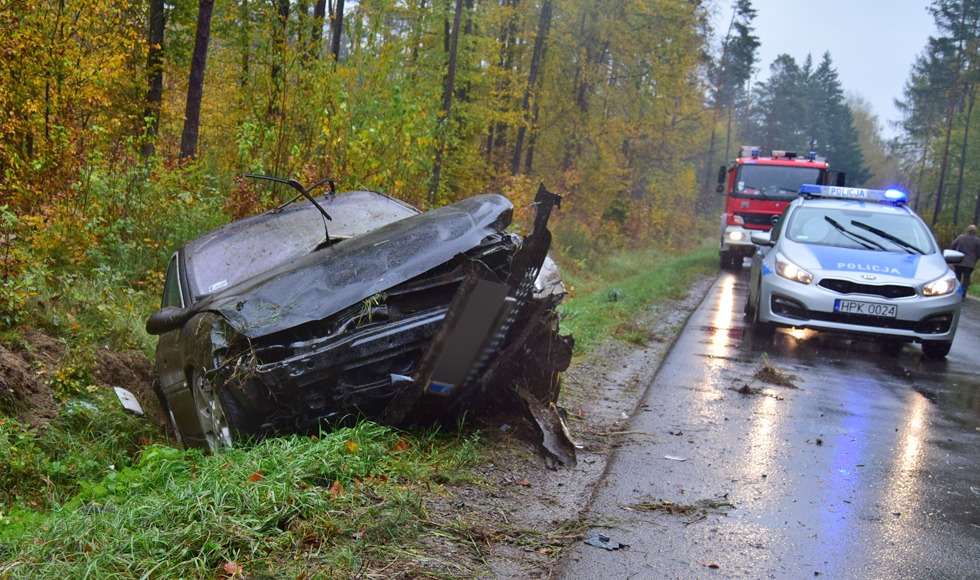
x: 757, y: 190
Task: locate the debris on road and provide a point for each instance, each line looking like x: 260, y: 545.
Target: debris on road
x: 675, y: 458
x: 601, y: 541
x: 769, y: 373
x: 697, y: 511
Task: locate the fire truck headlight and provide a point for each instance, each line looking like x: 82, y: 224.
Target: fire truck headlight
x: 738, y: 219
x: 735, y: 236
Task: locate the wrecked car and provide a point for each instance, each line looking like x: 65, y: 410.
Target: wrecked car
x: 357, y: 305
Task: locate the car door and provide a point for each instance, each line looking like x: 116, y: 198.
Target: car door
x: 169, y: 367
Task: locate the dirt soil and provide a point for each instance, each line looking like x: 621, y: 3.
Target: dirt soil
x: 26, y: 369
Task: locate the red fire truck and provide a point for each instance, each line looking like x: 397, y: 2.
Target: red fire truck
x: 757, y: 190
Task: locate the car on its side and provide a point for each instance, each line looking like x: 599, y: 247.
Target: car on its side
x: 345, y: 305
x: 855, y: 261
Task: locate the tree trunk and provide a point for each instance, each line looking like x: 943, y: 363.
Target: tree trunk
x: 337, y: 29
x: 319, y: 14
x: 530, y: 141
x: 278, y: 57
x: 447, y: 101
x: 949, y: 122
x: 245, y: 42
x: 154, y: 71
x: 195, y: 84
x: 966, y: 137
x: 543, y: 25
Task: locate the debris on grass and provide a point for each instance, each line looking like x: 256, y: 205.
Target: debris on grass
x: 769, y: 373
x: 634, y: 332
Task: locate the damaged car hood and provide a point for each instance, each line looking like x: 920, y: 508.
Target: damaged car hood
x: 322, y: 283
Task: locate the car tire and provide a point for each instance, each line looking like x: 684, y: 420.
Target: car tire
x: 735, y: 260
x: 724, y: 260
x: 936, y: 349
x: 760, y: 328
x: 223, y: 421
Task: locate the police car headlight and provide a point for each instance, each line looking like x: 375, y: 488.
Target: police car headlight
x: 940, y: 287
x: 791, y: 271
x: 735, y: 236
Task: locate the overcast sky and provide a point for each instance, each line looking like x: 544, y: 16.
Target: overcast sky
x: 871, y: 42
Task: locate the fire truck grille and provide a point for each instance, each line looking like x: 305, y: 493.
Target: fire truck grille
x: 758, y: 219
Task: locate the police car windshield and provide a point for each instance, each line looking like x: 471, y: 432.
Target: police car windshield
x: 774, y: 181
x: 890, y: 231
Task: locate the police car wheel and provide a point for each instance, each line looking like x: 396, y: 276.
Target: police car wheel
x: 759, y: 327
x: 936, y: 349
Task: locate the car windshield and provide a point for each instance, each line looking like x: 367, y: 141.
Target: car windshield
x: 774, y: 181
x: 892, y: 230
x: 243, y: 249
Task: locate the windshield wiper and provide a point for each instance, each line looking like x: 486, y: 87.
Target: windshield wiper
x: 758, y: 190
x: 908, y: 247
x: 869, y: 244
x: 303, y: 192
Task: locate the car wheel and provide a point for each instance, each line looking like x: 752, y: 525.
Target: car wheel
x: 724, y: 260
x: 759, y: 327
x: 736, y: 259
x: 216, y: 422
x: 936, y: 349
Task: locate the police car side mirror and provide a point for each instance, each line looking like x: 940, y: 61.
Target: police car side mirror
x: 952, y: 256
x: 762, y: 238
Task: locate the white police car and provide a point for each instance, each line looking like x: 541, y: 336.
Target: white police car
x: 855, y: 260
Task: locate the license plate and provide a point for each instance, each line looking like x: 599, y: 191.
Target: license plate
x: 866, y: 308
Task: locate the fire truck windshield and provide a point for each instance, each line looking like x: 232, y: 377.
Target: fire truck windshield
x: 773, y: 181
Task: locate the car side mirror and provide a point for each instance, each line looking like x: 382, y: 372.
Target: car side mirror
x: 952, y: 256
x: 841, y: 179
x: 721, y: 179
x: 167, y: 319
x: 762, y: 238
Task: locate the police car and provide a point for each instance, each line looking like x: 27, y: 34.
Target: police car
x: 858, y: 261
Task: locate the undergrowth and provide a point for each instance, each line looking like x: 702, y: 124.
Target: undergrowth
x: 607, y: 298
x: 322, y: 506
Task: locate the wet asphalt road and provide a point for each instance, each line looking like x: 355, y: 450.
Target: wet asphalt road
x: 871, y: 469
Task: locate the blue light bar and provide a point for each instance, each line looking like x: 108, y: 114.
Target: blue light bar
x: 879, y: 195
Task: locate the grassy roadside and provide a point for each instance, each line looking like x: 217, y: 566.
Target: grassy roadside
x: 98, y: 493
x: 323, y: 506
x: 626, y: 286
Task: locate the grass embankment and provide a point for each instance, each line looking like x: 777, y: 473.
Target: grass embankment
x: 294, y: 507
x: 99, y: 493
x: 608, y: 297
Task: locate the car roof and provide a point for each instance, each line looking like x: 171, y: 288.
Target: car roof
x: 863, y: 205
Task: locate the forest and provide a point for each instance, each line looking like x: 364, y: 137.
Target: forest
x: 933, y: 154
x: 126, y: 127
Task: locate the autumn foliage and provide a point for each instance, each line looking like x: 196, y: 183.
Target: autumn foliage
x: 614, y: 119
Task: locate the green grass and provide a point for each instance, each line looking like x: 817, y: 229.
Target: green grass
x: 625, y: 285
x: 327, y: 506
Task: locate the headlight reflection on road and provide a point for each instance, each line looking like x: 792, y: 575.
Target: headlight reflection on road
x: 760, y: 438
x: 904, y: 483
x: 719, y: 340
